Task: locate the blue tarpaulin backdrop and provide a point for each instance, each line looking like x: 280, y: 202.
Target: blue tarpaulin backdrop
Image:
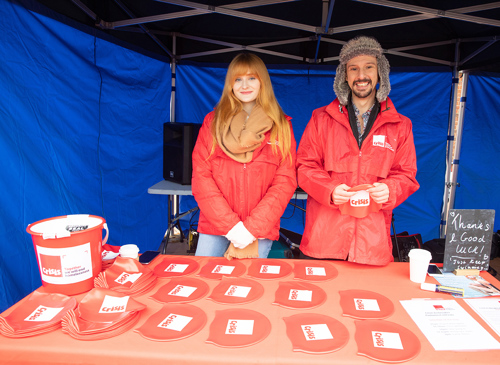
x: 80, y: 132
x: 478, y: 173
x: 81, y: 123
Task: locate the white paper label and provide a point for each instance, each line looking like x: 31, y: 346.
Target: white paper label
x: 126, y: 277
x: 43, y: 314
x: 239, y: 327
x: 270, y: 269
x: 316, y: 271
x: 182, y: 291
x: 221, y: 269
x: 366, y: 305
x: 175, y: 322
x: 65, y: 265
x: 379, y: 140
x: 302, y: 295
x: 314, y: 332
x: 180, y: 268
x: 388, y: 340
x: 238, y: 291
x: 114, y: 304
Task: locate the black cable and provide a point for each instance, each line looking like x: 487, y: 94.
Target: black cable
x: 293, y: 205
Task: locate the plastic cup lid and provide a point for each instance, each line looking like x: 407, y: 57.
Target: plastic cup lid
x: 129, y: 250
x: 419, y: 253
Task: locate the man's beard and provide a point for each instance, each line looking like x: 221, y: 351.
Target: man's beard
x: 365, y: 93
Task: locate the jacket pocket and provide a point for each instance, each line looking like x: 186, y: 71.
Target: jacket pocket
x: 378, y: 162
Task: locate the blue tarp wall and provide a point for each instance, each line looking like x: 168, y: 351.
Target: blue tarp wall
x: 478, y: 172
x: 81, y: 123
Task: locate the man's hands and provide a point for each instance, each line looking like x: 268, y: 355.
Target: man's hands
x: 340, y: 195
x: 379, y: 193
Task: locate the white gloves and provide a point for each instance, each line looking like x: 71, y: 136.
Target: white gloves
x: 240, y: 236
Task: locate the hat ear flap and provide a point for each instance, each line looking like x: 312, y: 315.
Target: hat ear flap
x: 383, y: 75
x: 340, y: 86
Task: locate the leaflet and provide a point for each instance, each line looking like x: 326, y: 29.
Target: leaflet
x: 474, y: 286
x: 489, y: 310
x: 448, y: 326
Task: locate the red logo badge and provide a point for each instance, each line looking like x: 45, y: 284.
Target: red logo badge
x: 51, y: 265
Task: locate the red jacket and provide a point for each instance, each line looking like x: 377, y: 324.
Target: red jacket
x: 328, y: 156
x: 227, y: 191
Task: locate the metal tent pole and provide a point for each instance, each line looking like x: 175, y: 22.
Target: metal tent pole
x: 452, y: 184
x: 458, y: 139
x: 173, y: 200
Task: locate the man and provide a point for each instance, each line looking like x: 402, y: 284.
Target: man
x: 358, y: 139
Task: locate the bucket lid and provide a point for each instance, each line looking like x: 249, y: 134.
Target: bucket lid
x: 59, y: 227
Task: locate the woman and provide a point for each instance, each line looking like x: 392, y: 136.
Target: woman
x: 243, y: 165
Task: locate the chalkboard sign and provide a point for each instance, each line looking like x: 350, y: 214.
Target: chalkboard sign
x: 468, y: 239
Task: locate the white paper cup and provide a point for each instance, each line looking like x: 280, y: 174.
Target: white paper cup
x: 419, y: 262
x: 129, y: 251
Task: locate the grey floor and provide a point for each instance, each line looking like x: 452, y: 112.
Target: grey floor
x: 176, y: 246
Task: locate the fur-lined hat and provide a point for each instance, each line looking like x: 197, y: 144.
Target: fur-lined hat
x: 358, y: 46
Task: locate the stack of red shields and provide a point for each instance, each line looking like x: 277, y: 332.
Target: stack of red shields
x: 181, y: 290
x: 365, y: 304
x: 216, y: 268
x: 386, y: 341
x: 298, y: 295
x: 316, y: 270
x: 236, y: 291
x: 102, y: 313
x: 175, y: 266
x: 126, y: 276
x: 316, y: 333
x: 109, y: 254
x: 40, y: 313
x: 173, y: 322
x: 238, y: 328
x: 269, y: 269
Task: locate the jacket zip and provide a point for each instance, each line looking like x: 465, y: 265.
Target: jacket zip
x: 356, y: 220
x: 245, y: 189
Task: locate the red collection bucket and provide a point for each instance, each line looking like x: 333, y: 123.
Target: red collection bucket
x: 68, y: 250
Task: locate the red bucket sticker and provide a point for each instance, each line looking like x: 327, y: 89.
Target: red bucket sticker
x: 51, y: 265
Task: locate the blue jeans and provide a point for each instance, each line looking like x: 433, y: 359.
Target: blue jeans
x: 209, y: 245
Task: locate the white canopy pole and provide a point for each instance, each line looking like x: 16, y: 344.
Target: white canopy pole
x: 452, y: 172
x: 449, y: 144
x: 458, y: 138
x: 173, y: 200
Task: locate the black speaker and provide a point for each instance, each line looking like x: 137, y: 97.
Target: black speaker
x: 178, y: 143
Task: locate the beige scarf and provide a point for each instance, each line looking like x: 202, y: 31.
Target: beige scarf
x: 244, y: 134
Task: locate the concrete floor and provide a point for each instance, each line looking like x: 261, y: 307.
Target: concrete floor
x: 176, y: 246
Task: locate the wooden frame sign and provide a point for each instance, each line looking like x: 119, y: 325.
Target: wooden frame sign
x: 468, y: 239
